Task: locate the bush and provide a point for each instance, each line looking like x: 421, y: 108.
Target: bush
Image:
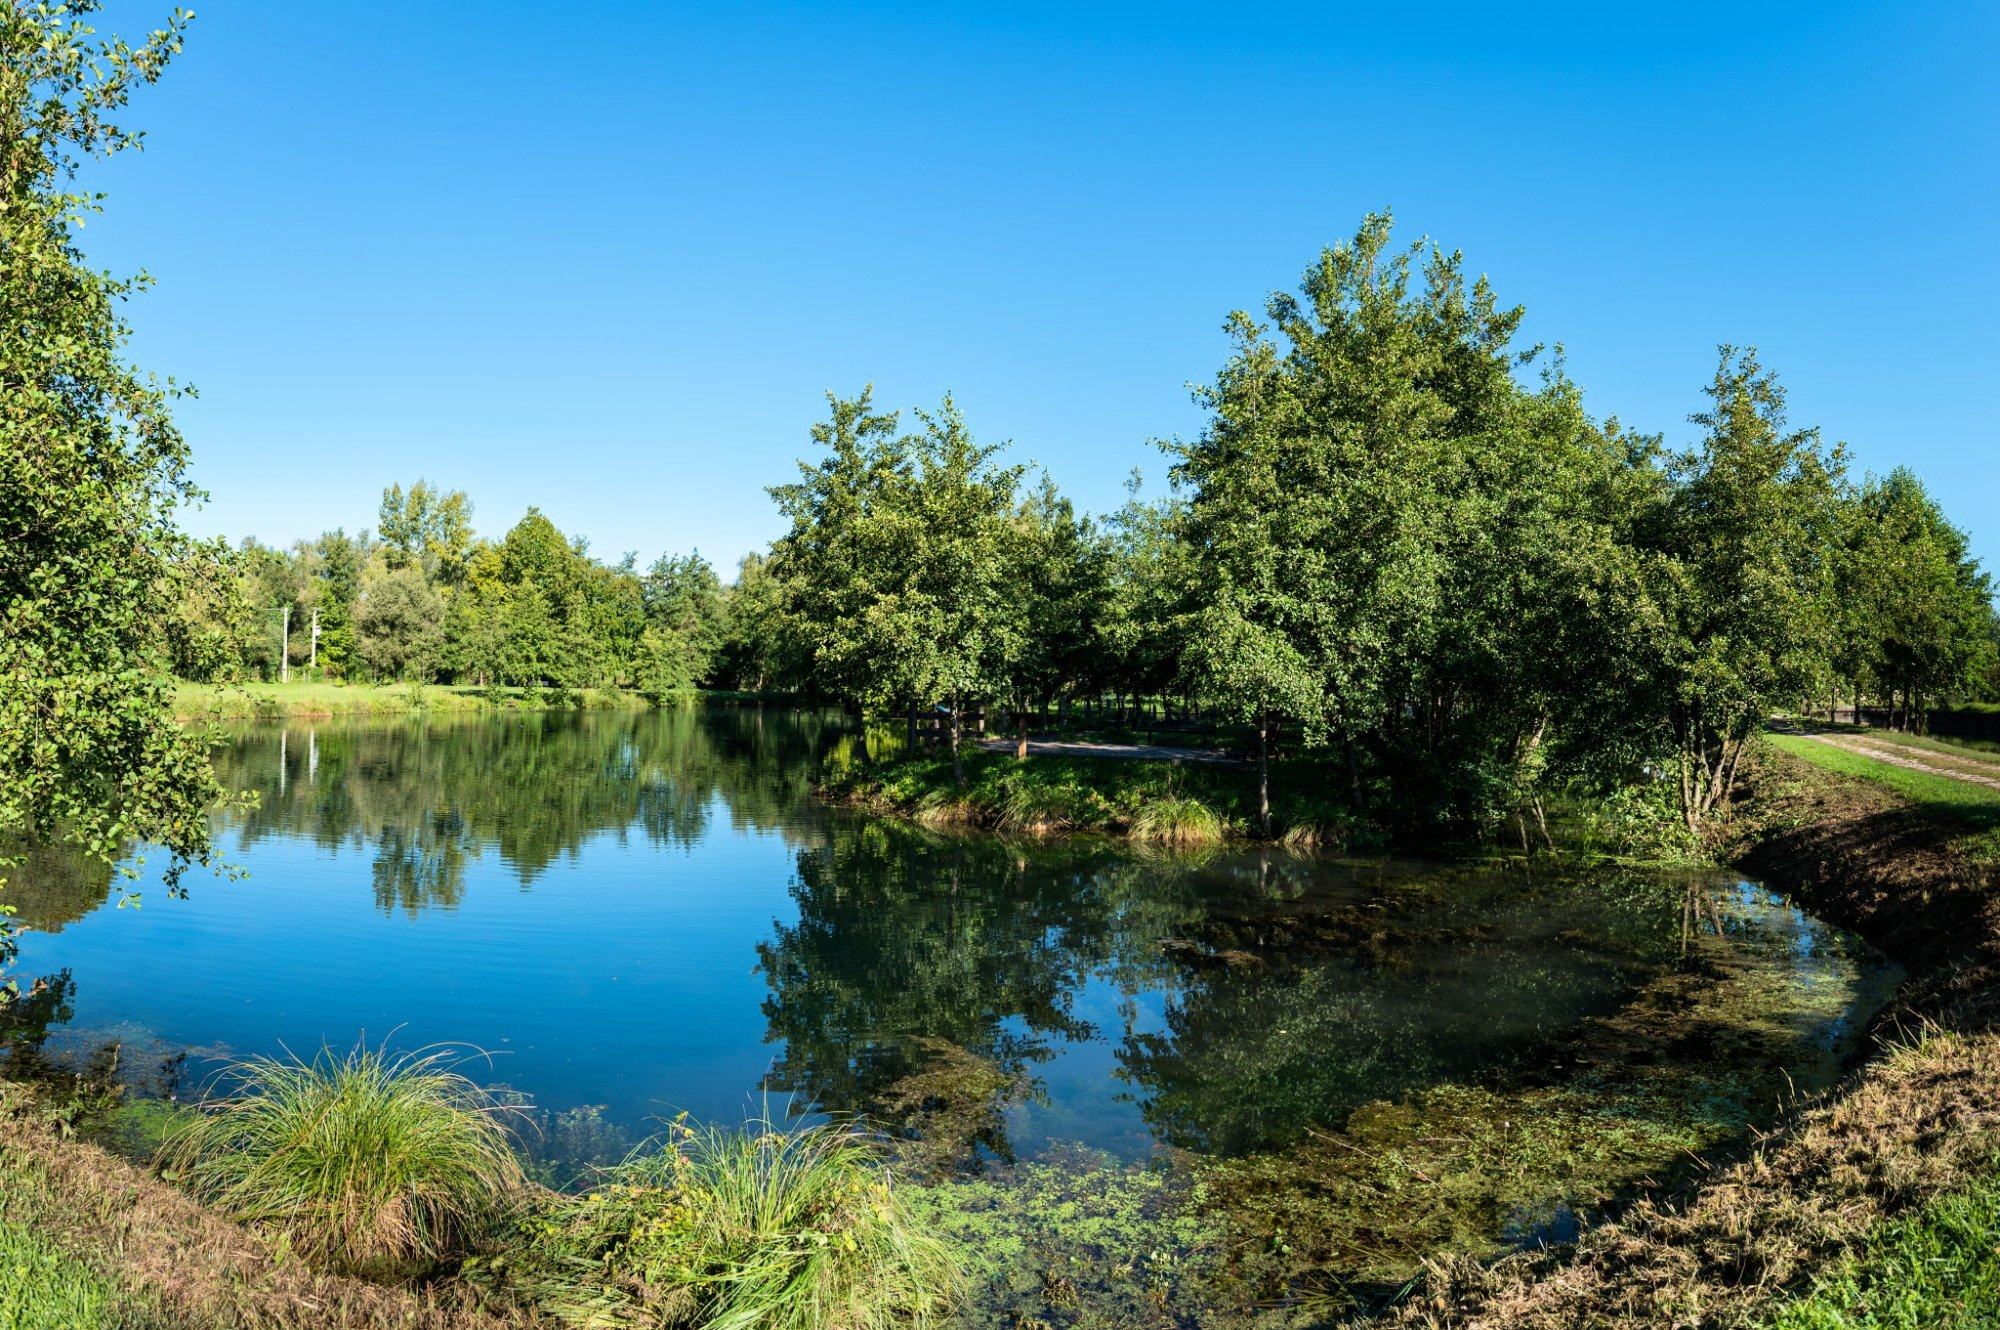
x: 764, y: 1228
x: 374, y: 1165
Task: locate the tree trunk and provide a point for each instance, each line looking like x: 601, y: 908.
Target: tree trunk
x: 1264, y: 772
x: 1021, y: 735
x: 957, y: 758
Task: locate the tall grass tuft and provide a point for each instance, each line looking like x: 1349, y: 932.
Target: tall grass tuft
x: 1178, y: 821
x: 758, y: 1229
x: 372, y: 1164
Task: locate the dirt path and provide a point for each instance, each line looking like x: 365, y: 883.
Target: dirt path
x: 1970, y: 770
x: 1081, y: 748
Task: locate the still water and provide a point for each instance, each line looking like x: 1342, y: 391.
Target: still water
x: 644, y: 914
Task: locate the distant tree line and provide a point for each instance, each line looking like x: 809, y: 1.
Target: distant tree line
x: 422, y: 598
x: 1400, y: 545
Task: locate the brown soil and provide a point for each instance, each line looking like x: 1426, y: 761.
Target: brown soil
x: 1912, y: 1123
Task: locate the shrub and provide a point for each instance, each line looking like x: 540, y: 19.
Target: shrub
x: 730, y: 1230
x: 375, y: 1165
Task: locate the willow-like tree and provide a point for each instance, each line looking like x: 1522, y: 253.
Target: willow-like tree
x: 92, y: 471
x: 1744, y: 563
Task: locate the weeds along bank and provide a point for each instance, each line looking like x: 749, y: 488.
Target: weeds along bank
x: 1190, y: 804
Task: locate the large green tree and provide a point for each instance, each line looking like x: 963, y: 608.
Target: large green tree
x: 1743, y: 560
x: 92, y: 472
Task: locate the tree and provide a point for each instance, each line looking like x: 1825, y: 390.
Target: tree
x: 429, y: 529
x: 1321, y: 492
x: 1743, y: 579
x: 1060, y: 565
x: 92, y: 471
x: 754, y: 650
x: 1914, y: 607
x: 831, y: 565
x: 683, y: 596
x: 399, y: 626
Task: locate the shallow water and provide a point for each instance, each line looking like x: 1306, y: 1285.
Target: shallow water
x: 647, y: 914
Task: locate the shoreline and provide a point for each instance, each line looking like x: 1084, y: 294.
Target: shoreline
x: 1910, y: 1122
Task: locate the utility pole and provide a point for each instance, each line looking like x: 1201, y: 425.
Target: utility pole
x: 315, y: 645
x: 285, y: 648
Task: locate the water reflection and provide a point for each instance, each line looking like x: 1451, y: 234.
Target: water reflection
x: 701, y: 933
x: 425, y: 797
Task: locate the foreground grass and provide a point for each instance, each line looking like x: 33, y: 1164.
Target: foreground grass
x: 373, y: 1165
x: 257, y: 701
x: 1937, y: 1269
x: 767, y: 1228
x: 44, y: 1288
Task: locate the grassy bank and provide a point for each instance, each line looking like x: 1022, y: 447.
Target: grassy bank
x: 1154, y: 801
x: 261, y: 701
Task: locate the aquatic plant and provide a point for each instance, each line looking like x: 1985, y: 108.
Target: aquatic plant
x: 761, y: 1227
x: 372, y: 1163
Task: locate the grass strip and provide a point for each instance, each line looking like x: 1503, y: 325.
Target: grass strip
x: 1976, y: 805
x: 1936, y: 1269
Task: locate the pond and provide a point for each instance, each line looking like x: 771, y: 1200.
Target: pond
x: 1233, y: 1058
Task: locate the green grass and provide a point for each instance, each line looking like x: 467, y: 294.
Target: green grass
x: 373, y: 1164
x: 253, y: 701
x: 759, y: 1229
x: 43, y: 1288
x: 1936, y: 1269
x: 1942, y: 793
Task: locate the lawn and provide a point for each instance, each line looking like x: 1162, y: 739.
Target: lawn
x: 1935, y: 1269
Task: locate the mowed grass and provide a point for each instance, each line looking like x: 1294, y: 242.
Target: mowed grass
x: 44, y: 1288
x: 1977, y: 807
x: 1973, y: 752
x: 1936, y: 1269
x: 253, y: 701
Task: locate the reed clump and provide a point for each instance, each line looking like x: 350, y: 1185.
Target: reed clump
x: 369, y: 1164
x: 1177, y: 820
x: 760, y: 1227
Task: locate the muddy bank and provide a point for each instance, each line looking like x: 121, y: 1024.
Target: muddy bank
x: 1916, y: 1121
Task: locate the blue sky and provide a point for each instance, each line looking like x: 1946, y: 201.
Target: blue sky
x: 607, y: 258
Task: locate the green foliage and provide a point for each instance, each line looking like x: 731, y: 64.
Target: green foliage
x: 1935, y: 1269
x: 92, y: 474
x: 760, y: 1229
x: 42, y: 1288
x: 377, y: 1165
x: 399, y: 625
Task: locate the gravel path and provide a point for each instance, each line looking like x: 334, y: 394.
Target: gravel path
x: 1915, y: 759
x: 1080, y: 748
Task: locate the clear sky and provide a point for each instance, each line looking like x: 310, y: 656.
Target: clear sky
x: 607, y: 258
